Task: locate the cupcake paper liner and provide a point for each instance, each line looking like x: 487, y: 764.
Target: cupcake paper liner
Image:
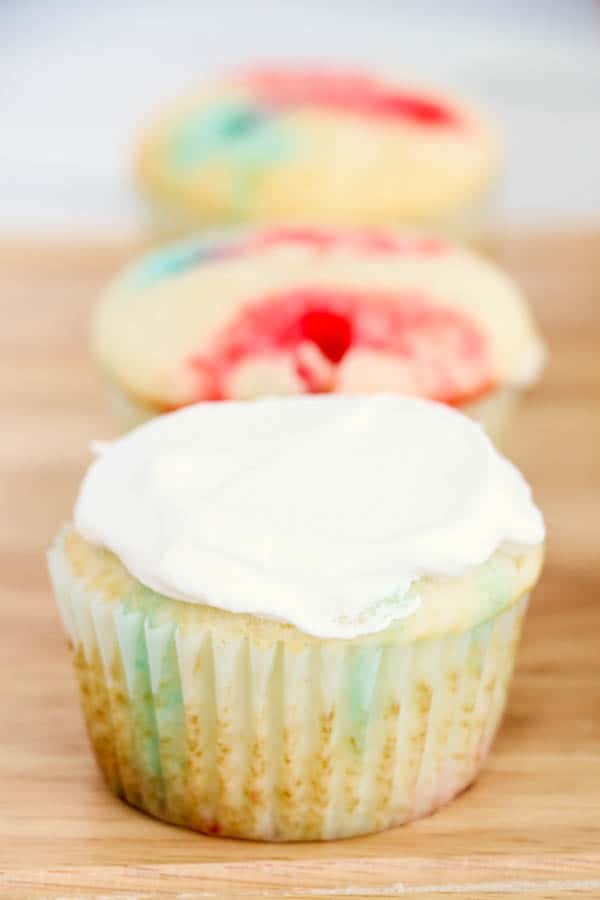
x: 494, y: 411
x: 282, y: 741
x: 469, y: 221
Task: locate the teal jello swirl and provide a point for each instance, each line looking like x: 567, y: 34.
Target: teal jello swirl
x: 247, y: 136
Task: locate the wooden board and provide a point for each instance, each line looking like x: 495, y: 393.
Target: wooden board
x: 531, y: 824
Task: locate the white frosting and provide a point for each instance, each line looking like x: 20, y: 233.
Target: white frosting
x: 318, y: 511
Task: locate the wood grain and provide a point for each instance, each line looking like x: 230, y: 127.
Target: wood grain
x: 531, y: 824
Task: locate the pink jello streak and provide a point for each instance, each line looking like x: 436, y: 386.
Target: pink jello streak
x: 347, y: 92
x: 443, y: 355
x: 367, y: 242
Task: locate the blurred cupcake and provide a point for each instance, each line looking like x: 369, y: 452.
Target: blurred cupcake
x: 281, y: 311
x: 318, y: 145
x: 296, y: 620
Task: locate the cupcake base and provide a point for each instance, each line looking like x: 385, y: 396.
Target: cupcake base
x: 127, y: 412
x: 495, y: 411
x: 469, y: 222
x: 280, y: 740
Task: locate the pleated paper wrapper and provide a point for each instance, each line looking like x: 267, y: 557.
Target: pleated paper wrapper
x: 280, y: 741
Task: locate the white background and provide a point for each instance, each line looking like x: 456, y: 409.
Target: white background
x: 78, y: 78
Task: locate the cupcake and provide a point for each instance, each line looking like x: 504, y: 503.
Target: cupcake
x: 263, y: 311
x: 296, y: 619
x: 318, y: 145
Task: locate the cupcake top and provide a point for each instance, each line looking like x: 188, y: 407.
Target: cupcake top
x: 260, y: 311
x: 331, y: 514
x: 263, y: 144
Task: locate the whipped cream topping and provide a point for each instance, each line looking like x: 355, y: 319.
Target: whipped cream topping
x: 317, y: 511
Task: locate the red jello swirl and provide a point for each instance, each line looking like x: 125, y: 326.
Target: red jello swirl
x: 354, y: 93
x: 444, y: 352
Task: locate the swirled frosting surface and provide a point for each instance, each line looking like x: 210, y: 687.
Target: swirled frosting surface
x: 323, y: 512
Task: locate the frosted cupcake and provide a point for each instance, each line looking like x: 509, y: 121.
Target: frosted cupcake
x: 296, y: 620
x: 266, y: 311
x: 318, y: 145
